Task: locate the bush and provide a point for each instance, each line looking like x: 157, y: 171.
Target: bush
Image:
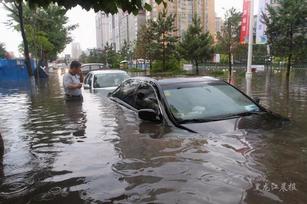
x: 171, y: 65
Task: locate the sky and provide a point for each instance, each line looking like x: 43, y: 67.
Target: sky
x: 85, y: 33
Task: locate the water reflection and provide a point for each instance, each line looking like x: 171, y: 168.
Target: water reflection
x: 97, y: 151
x: 1, y: 159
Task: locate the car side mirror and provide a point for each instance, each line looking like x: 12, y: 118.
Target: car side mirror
x: 257, y: 100
x: 148, y: 115
x: 86, y: 86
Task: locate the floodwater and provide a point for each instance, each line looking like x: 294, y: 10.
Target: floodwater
x: 98, y: 152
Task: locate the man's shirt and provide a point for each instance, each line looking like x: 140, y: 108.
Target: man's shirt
x: 68, y: 79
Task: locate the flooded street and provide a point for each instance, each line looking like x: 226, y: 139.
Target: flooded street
x: 98, y: 152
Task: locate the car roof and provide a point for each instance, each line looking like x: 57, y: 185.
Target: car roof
x: 89, y: 64
x: 107, y: 71
x: 179, y: 80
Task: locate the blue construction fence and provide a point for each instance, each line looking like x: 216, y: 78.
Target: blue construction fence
x: 14, y: 69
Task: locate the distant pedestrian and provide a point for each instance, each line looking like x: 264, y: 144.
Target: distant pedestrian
x: 72, y: 82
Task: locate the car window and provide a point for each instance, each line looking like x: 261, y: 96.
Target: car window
x: 207, y: 101
x: 146, y: 97
x: 126, y: 92
x: 89, y: 82
x: 109, y: 79
x: 87, y: 78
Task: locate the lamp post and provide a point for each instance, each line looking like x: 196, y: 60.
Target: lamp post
x: 250, y: 40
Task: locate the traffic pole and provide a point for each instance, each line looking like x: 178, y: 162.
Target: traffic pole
x: 250, y: 40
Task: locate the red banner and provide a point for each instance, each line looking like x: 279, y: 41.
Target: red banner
x: 245, y: 22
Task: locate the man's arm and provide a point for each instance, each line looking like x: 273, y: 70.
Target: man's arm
x: 68, y: 83
x: 74, y: 86
x: 81, y: 77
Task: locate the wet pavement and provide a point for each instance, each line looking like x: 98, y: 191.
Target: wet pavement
x: 99, y: 152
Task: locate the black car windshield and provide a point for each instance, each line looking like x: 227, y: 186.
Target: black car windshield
x: 104, y: 80
x: 202, y: 101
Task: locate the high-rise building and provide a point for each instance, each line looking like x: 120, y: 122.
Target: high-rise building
x: 184, y: 11
x: 118, y: 28
x: 103, y: 29
x: 218, y: 24
x: 75, y: 50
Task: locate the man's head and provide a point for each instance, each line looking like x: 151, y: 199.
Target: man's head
x: 75, y: 67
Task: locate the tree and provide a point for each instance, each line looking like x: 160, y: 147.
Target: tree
x: 126, y: 51
x: 109, y: 6
x: 195, y: 45
x: 46, y: 30
x: 19, y: 13
x: 286, y: 29
x: 229, y: 38
x: 2, y: 50
x: 143, y: 47
x: 112, y: 58
x: 164, y: 41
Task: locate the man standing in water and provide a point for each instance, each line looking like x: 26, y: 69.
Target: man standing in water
x: 72, y: 82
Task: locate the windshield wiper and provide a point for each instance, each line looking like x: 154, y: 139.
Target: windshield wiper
x: 225, y: 117
x: 247, y: 113
x: 194, y: 121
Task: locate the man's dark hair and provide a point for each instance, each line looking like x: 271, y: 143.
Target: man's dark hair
x: 75, y: 64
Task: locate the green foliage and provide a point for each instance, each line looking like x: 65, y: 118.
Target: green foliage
x: 2, y: 50
x: 112, y: 57
x: 107, y: 56
x: 196, y: 46
x: 126, y: 52
x: 163, y: 41
x: 229, y: 38
x: 108, y: 6
x: 156, y: 41
x: 46, y: 29
x: 286, y: 29
x: 143, y: 49
x: 171, y: 65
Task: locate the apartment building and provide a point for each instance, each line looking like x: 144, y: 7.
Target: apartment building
x: 184, y: 11
x: 118, y: 28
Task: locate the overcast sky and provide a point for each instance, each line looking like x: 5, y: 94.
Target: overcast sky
x: 85, y: 34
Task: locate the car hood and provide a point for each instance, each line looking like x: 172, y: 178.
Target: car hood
x: 264, y: 121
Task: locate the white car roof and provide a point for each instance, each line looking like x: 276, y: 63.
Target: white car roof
x: 107, y: 71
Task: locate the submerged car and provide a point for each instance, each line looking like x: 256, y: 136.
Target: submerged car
x: 202, y: 104
x: 104, y: 79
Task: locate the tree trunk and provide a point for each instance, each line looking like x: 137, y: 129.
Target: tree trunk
x: 24, y: 38
x: 230, y: 65
x: 290, y: 55
x: 196, y: 65
x: 289, y: 66
x: 163, y: 58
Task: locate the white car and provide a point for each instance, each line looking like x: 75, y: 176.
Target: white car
x: 104, y: 79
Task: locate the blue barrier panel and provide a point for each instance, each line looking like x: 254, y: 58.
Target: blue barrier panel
x: 14, y: 69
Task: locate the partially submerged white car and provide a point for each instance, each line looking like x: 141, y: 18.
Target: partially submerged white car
x: 104, y: 79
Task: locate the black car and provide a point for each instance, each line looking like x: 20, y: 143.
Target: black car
x: 202, y: 104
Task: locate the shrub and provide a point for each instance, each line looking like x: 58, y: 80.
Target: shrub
x: 171, y: 65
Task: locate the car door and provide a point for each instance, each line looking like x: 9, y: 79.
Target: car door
x: 126, y: 93
x: 88, y: 81
x: 145, y: 97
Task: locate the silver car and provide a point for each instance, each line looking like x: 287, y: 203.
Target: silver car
x: 104, y: 79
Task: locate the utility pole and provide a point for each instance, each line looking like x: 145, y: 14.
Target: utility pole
x: 250, y: 40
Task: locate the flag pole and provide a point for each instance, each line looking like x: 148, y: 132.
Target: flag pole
x: 250, y: 40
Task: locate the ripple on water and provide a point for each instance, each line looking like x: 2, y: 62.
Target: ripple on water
x: 98, y: 152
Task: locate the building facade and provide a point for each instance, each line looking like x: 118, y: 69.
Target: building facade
x: 218, y: 24
x: 75, y: 50
x: 184, y: 11
x: 118, y: 28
